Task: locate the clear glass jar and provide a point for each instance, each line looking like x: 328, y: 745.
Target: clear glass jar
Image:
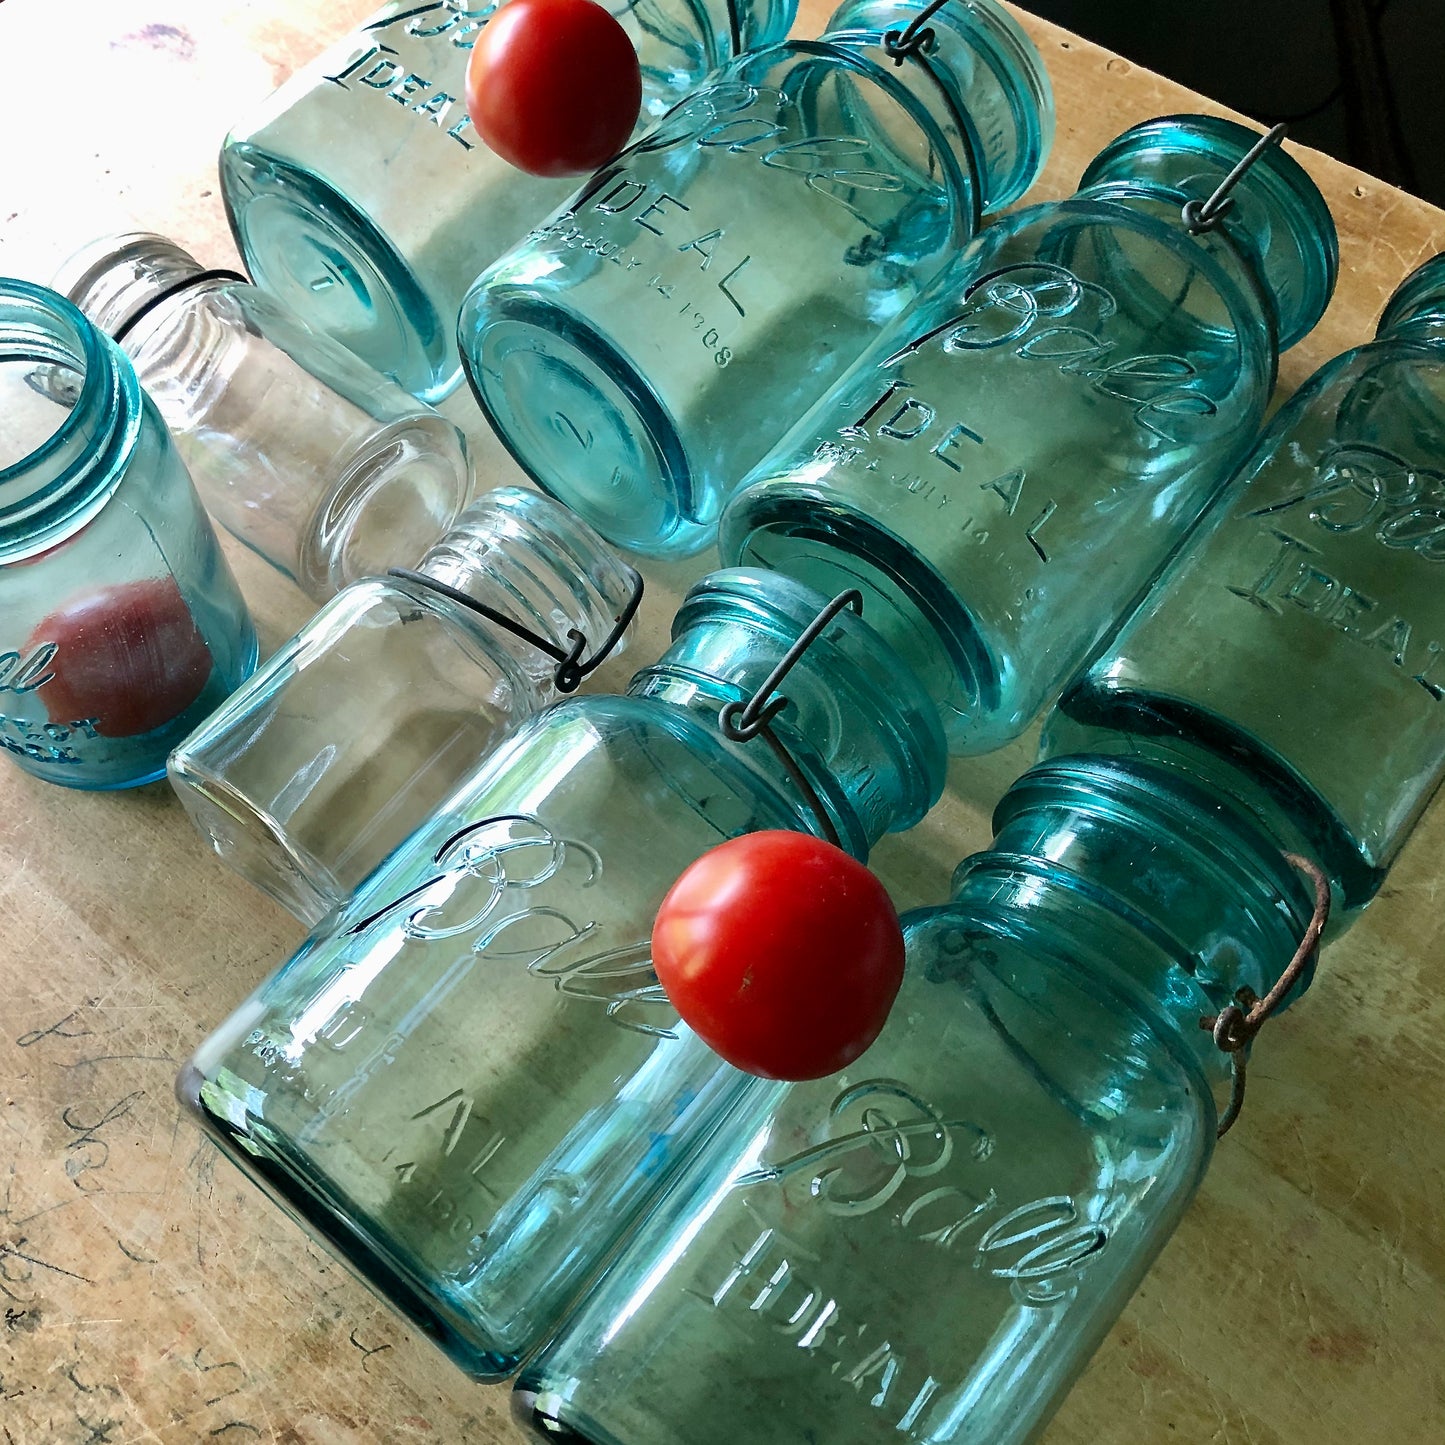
x: 1005, y: 471
x: 362, y: 725
x: 362, y: 199
x: 1310, y: 615
x: 469, y: 1083
x: 320, y: 465
x: 930, y: 1245
x: 120, y: 623
x: 645, y: 347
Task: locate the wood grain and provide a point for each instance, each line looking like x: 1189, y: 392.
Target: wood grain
x: 148, y: 1295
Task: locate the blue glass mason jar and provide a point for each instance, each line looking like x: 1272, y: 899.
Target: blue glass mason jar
x: 362, y: 199
x: 1004, y: 472
x: 1311, y: 614
x: 645, y: 347
x: 354, y: 732
x: 469, y: 1082
x: 929, y: 1246
x: 319, y: 464
x: 120, y: 623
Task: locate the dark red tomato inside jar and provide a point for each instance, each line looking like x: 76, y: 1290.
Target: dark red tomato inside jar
x: 554, y: 86
x: 129, y: 657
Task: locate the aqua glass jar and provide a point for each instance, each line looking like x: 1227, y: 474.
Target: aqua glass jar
x: 929, y: 1246
x: 1310, y: 616
x: 645, y: 347
x: 120, y: 623
x: 361, y: 726
x: 362, y: 199
x: 1004, y: 472
x: 469, y: 1082
x: 317, y: 463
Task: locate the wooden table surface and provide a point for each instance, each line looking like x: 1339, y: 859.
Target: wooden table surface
x: 150, y: 1295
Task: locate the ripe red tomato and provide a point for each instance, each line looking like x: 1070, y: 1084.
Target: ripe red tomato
x: 129, y: 656
x: 553, y: 86
x: 782, y: 952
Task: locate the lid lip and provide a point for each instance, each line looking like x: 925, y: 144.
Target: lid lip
x: 101, y: 427
x: 1317, y: 238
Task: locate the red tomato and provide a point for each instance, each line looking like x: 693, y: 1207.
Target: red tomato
x: 553, y: 86
x: 782, y: 952
x: 129, y: 656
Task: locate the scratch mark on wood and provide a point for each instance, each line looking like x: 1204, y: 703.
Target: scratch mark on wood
x: 12, y: 1252
x: 107, y: 1058
x: 366, y: 1354
x: 56, y: 1030
x: 88, y: 1133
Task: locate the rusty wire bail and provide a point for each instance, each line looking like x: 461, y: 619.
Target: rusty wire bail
x: 1202, y: 216
x: 917, y: 40
x: 573, y: 667
x: 1234, y: 1027
x: 741, y: 722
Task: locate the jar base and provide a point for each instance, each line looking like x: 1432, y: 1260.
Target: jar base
x: 393, y: 501
x: 316, y: 253
x: 582, y: 423
x: 253, y: 845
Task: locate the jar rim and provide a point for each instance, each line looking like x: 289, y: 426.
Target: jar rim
x: 103, y: 419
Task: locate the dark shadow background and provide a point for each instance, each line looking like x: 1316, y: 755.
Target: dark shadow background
x: 1361, y: 79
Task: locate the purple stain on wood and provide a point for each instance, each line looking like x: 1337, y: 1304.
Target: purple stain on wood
x: 172, y: 39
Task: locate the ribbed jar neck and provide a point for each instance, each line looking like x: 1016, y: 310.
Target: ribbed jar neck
x: 858, y: 723
x: 114, y: 278
x: 70, y: 415
x: 1278, y: 222
x: 982, y: 81
x: 1416, y: 312
x: 1182, y: 889
x: 538, y: 563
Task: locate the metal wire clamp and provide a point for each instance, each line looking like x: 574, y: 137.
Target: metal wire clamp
x: 1236, y: 1024
x: 917, y: 40
x: 1202, y: 216
x: 741, y: 722
x: 571, y: 667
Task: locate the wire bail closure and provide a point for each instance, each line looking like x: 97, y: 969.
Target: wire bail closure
x: 917, y: 40
x: 1235, y: 1025
x: 572, y: 670
x: 741, y: 722
x: 1202, y: 216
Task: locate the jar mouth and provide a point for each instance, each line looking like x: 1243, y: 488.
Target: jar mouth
x: 1142, y: 823
x: 866, y: 680
x: 1418, y: 302
x: 73, y: 469
x: 1298, y: 257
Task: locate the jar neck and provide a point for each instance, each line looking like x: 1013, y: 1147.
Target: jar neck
x: 1182, y: 893
x: 858, y: 725
x: 1278, y: 223
x: 539, y: 564
x: 1416, y: 312
x: 70, y: 416
x: 114, y: 279
x: 981, y: 82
